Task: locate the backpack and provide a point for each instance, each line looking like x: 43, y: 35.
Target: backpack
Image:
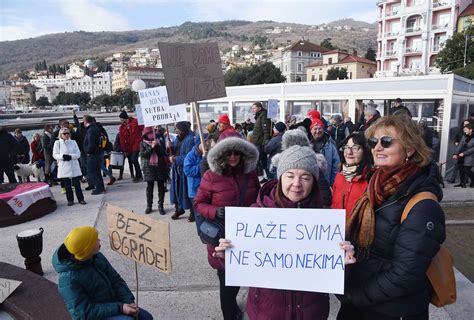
x: 440, y: 272
x: 103, y: 141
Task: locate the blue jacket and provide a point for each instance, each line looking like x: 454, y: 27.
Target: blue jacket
x: 179, y: 183
x: 191, y: 170
x: 91, y: 289
x: 91, y: 140
x: 329, y: 150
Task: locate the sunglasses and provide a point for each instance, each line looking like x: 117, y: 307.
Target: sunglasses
x: 385, y: 142
x: 66, y: 133
x: 233, y: 153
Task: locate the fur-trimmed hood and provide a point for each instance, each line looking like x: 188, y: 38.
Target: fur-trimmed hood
x: 216, y: 154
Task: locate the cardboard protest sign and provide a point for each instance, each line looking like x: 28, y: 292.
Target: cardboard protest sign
x: 193, y: 71
x: 294, y: 249
x: 272, y: 111
x: 156, y: 110
x: 7, y: 286
x: 138, y: 112
x: 140, y: 238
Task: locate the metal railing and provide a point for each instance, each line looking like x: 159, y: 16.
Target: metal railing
x: 413, y: 29
x: 412, y: 50
x: 439, y: 26
x: 391, y: 14
x: 391, y: 53
x: 391, y: 33
x: 437, y: 4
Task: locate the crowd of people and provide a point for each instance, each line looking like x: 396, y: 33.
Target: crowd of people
x: 371, y: 169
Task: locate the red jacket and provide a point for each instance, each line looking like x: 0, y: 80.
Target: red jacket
x: 220, y: 191
x: 277, y: 304
x: 130, y: 136
x: 345, y: 194
x: 37, y: 155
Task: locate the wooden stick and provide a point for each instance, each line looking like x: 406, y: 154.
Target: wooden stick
x: 198, y: 121
x: 136, y: 293
x: 169, y: 140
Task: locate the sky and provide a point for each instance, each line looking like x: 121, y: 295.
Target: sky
x: 20, y: 19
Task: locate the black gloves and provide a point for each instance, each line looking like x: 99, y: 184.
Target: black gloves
x: 220, y: 213
x: 66, y: 157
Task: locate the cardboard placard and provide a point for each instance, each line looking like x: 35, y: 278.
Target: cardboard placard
x: 7, y: 286
x: 140, y: 238
x: 156, y: 110
x: 292, y: 249
x: 272, y: 111
x: 193, y: 71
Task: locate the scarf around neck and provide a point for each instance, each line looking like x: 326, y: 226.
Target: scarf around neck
x: 154, y: 156
x: 360, y: 226
x: 349, y: 172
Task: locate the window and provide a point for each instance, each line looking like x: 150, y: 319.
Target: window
x: 418, y: 2
x: 286, y: 68
x: 443, y: 20
x: 320, y: 77
x: 313, y: 77
x: 330, y: 61
x: 315, y: 54
x: 299, y: 67
x: 299, y: 53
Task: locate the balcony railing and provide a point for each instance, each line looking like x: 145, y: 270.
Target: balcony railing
x: 391, y: 53
x: 437, y: 4
x: 412, y: 50
x: 391, y: 33
x: 440, y: 26
x: 437, y: 47
x: 413, y: 29
x: 391, y: 14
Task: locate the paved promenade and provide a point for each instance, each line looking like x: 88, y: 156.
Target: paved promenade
x: 192, y: 290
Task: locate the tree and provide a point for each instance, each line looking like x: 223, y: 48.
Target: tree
x: 337, y: 74
x: 326, y: 43
x: 370, y: 54
x: 451, y: 57
x: 42, y: 102
x: 257, y: 74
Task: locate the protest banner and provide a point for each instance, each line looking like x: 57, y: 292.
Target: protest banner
x: 138, y: 112
x: 156, y: 110
x: 293, y: 249
x: 7, y: 286
x: 193, y: 71
x: 140, y: 238
x: 272, y: 111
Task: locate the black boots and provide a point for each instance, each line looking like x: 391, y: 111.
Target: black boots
x: 149, y: 200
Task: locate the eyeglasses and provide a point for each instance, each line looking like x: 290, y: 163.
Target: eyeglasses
x: 355, y: 148
x: 66, y: 133
x: 233, y: 153
x: 385, y: 141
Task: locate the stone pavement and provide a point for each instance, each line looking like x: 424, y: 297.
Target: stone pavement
x: 192, y: 290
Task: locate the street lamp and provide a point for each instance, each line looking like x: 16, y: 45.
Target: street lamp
x: 137, y: 85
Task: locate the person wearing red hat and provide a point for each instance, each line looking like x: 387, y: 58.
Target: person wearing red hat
x: 225, y: 129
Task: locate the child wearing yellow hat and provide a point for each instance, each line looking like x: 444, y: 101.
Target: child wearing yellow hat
x: 89, y: 285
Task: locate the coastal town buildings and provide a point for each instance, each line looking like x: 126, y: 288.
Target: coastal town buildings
x: 5, y: 87
x: 412, y: 32
x: 98, y: 84
x: 124, y: 77
x: 293, y: 59
x: 466, y: 18
x: 49, y: 91
x: 22, y: 95
x: 357, y: 67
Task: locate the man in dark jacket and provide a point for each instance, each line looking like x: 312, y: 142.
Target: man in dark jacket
x: 48, y: 153
x: 338, y: 130
x: 349, y: 124
x: 273, y: 146
x: 94, y: 155
x: 7, y: 147
x: 399, y: 108
x: 371, y: 115
x: 22, y: 153
x: 261, y: 133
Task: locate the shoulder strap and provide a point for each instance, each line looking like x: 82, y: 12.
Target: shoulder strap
x: 414, y: 200
x: 243, y: 190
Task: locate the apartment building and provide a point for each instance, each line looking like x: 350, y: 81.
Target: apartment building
x: 22, y: 95
x: 466, y: 18
x: 124, y: 77
x: 412, y: 32
x: 293, y: 59
x: 357, y: 67
x: 49, y: 91
x: 100, y: 83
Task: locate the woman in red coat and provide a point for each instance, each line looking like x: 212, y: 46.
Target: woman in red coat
x: 351, y: 181
x: 36, y: 148
x: 232, y: 162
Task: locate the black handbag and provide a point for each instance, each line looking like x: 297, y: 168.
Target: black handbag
x: 213, y: 230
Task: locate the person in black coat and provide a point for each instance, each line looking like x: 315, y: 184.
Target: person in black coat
x: 22, y: 152
x: 349, y: 124
x: 94, y: 155
x: 399, y: 108
x: 8, y: 148
x: 389, y: 279
x: 273, y: 146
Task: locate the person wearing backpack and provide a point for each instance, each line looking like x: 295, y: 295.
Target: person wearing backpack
x: 389, y: 280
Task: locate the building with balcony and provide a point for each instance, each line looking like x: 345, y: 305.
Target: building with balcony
x: 293, y: 59
x: 412, y: 32
x: 357, y: 67
x: 5, y: 89
x: 466, y: 18
x: 22, y: 95
x: 100, y: 83
x: 49, y: 91
x: 124, y: 77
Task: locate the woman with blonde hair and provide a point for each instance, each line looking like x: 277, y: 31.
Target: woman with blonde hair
x: 67, y: 154
x: 389, y: 279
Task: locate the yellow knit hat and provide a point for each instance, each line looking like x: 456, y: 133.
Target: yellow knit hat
x: 81, y: 242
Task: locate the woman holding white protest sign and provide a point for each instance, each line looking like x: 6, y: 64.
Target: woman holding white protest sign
x: 296, y: 187
x: 230, y: 181
x: 394, y: 247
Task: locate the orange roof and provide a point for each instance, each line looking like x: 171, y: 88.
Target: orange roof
x: 314, y: 64
x: 335, y: 51
x: 350, y: 59
x: 305, y: 46
x: 469, y: 11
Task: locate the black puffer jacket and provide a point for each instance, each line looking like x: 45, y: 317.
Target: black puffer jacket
x: 392, y: 280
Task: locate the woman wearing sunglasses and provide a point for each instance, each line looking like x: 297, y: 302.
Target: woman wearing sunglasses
x: 389, y: 279
x: 351, y: 181
x: 66, y: 152
x: 230, y: 181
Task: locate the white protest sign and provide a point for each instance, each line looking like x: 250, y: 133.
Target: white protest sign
x: 293, y: 249
x: 272, y: 111
x: 7, y: 286
x: 156, y: 110
x: 138, y: 112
